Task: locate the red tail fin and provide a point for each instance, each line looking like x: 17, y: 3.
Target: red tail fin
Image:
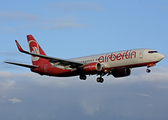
x: 35, y: 48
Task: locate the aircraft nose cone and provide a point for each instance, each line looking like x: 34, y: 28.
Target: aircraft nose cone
x: 161, y: 56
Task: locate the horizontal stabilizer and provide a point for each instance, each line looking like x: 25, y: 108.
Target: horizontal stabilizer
x: 19, y: 47
x: 23, y: 65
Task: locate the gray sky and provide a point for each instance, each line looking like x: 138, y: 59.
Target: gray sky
x: 25, y: 96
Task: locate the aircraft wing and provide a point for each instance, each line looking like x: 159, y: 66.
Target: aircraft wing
x: 23, y: 65
x: 55, y: 61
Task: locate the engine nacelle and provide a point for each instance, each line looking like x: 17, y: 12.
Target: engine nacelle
x: 91, y: 67
x: 121, y: 72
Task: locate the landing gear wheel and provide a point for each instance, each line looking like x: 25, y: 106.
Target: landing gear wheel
x: 148, y: 70
x: 100, y: 80
x: 82, y: 77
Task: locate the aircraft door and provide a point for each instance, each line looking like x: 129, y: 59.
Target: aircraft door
x: 45, y: 68
x: 141, y: 54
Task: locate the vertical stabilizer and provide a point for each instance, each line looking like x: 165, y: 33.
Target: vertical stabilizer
x: 35, y: 48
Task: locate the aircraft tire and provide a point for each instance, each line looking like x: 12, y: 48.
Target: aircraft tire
x: 82, y: 77
x: 100, y: 80
x: 148, y: 70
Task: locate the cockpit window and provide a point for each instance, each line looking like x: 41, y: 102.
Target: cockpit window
x: 152, y: 51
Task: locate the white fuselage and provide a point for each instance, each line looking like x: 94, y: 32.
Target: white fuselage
x: 127, y: 58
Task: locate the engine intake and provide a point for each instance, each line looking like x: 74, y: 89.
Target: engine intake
x: 91, y: 67
x: 121, y: 72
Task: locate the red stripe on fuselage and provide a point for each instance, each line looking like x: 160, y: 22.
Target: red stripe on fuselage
x: 47, y: 69
x: 131, y: 66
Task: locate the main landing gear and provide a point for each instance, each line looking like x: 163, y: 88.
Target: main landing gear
x: 100, y: 80
x: 82, y: 77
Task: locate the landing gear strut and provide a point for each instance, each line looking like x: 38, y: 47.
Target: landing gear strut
x: 150, y: 65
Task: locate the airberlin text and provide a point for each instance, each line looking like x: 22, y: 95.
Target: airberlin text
x: 120, y: 56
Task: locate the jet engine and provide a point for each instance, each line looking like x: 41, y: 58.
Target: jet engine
x: 91, y: 67
x: 121, y: 72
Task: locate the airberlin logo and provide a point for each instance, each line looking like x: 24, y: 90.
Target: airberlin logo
x: 34, y: 48
x: 120, y: 56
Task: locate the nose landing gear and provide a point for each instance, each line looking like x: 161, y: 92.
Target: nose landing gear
x: 150, y: 65
x: 148, y: 70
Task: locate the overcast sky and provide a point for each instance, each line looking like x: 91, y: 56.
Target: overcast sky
x: 68, y: 29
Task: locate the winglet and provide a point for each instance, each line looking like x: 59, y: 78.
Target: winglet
x: 19, y: 47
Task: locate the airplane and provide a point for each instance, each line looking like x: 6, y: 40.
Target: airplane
x: 118, y: 64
